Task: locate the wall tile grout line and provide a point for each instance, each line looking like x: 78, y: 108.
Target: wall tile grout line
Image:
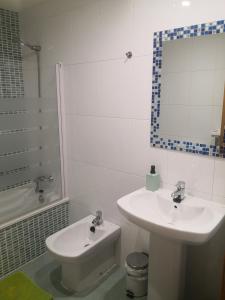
x: 105, y: 117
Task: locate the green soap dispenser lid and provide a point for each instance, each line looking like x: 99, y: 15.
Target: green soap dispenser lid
x: 152, y: 171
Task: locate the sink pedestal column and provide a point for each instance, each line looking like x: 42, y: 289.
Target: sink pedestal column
x: 166, y: 269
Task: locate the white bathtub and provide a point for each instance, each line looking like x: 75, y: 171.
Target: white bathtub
x: 20, y: 201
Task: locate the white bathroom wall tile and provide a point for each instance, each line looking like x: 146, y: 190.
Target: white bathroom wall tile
x: 142, y: 27
x: 71, y: 137
x: 112, y: 88
x: 87, y: 142
x: 85, y: 185
x: 77, y: 210
x: 115, y: 143
x: 124, y: 89
x: 219, y: 181
x: 85, y: 80
x: 196, y: 171
x: 116, y: 28
x: 83, y: 83
x: 103, y: 186
x: 68, y: 82
x: 86, y: 33
x: 108, y: 23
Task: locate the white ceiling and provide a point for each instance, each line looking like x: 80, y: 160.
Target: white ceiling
x: 18, y: 5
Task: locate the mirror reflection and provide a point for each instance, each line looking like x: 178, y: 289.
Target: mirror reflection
x: 192, y: 89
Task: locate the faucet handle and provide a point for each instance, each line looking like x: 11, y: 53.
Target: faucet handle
x: 46, y: 178
x: 180, y: 185
x: 42, y: 179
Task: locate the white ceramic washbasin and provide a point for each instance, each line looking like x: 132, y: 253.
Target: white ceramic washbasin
x: 194, y: 220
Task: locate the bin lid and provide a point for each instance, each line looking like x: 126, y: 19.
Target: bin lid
x: 137, y: 260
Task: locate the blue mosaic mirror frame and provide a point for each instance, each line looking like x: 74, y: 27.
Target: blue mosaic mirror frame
x: 169, y: 35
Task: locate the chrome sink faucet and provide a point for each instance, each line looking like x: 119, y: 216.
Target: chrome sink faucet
x: 98, y: 220
x: 179, y: 194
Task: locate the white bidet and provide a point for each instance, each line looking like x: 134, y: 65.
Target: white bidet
x: 85, y: 256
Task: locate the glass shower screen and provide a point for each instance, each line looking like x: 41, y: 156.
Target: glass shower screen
x: 30, y: 175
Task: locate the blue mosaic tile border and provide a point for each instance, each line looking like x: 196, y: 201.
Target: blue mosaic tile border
x: 159, y: 38
x: 25, y: 240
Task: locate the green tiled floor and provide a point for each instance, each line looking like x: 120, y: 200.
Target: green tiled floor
x: 46, y: 273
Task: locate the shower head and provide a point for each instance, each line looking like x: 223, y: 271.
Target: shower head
x: 36, y: 48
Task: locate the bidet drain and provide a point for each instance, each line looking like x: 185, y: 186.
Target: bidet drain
x: 86, y: 245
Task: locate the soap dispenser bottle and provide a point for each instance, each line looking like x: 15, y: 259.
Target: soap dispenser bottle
x: 152, y: 180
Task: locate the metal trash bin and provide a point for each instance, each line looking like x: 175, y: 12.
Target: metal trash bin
x: 136, y: 265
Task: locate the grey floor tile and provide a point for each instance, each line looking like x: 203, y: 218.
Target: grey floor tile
x: 45, y: 272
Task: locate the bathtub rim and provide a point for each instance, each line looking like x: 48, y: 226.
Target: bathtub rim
x: 34, y: 212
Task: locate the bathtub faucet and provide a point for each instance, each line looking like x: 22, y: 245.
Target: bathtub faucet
x: 97, y: 220
x: 39, y: 180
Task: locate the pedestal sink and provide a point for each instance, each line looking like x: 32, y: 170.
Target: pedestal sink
x: 172, y: 226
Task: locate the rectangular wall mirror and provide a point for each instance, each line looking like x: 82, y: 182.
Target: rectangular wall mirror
x: 188, y: 94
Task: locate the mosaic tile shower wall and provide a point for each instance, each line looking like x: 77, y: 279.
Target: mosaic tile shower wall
x: 11, y: 75
x: 25, y: 240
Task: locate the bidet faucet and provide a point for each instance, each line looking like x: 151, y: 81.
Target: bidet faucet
x: 97, y: 220
x: 178, y: 195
